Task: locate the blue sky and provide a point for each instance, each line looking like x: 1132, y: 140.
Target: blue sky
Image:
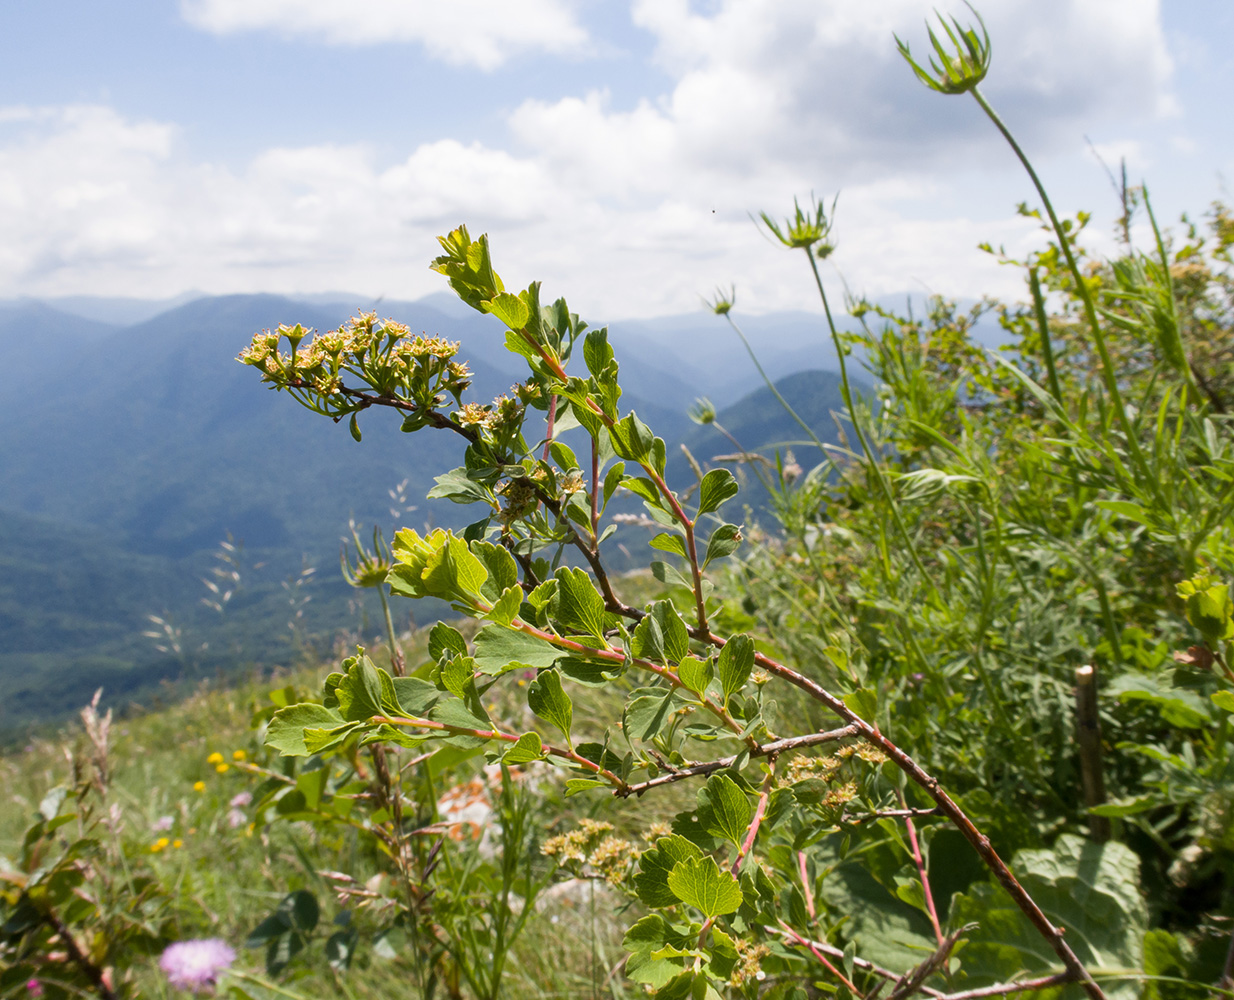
x: 612, y: 149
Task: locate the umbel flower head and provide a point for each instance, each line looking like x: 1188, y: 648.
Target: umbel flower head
x: 961, y: 65
x: 196, y: 965
x: 806, y: 229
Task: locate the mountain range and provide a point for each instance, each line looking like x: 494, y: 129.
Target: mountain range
x: 131, y: 450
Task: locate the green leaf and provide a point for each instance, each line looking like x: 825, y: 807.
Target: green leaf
x: 501, y: 649
x: 1125, y: 508
x: 457, y: 674
x: 668, y: 541
x: 577, y: 607
x: 563, y: 456
x: 734, y: 664
x: 320, y: 740
x: 717, y: 486
x: 651, y: 880
x: 730, y: 812
x: 445, y: 641
x: 863, y: 702
x: 285, y: 732
x: 1224, y: 700
x: 458, y: 487
x: 576, y: 785
x: 723, y: 542
x: 354, y: 427
x: 1091, y: 889
x: 597, y: 352
x: 507, y: 607
x: 1178, y: 706
x: 645, y: 715
x: 887, y: 930
x: 632, y: 439
x: 645, y: 488
x: 546, y: 697
x: 661, y: 635
x: 528, y: 748
x: 695, y: 674
x: 510, y: 309
x: 500, y: 566
x: 359, y: 691
x: 698, y: 882
x: 612, y: 479
x: 415, y: 695
x: 453, y: 712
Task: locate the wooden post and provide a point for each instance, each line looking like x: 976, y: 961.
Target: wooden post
x: 1088, y: 736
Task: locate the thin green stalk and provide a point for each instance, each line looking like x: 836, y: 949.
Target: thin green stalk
x: 1086, y: 297
x: 1043, y: 328
x: 875, y: 467
x: 772, y: 386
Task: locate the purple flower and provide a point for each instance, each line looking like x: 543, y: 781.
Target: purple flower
x: 34, y: 988
x: 195, y: 965
x: 241, y: 800
x: 162, y: 824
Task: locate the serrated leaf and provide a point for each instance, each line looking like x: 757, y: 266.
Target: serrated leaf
x: 415, y: 695
x: 730, y: 812
x: 547, y: 698
x: 528, y: 748
x: 651, y: 880
x: 695, y: 674
x: 632, y: 439
x: 510, y: 309
x: 457, y: 674
x: 285, y: 733
x: 444, y: 640
x: 717, y: 486
x: 698, y: 882
x: 577, y: 607
x: 734, y: 664
x: 501, y: 568
x: 500, y: 649
x: 456, y: 713
x: 359, y: 691
x: 597, y: 352
x: 1091, y: 889
x: 507, y: 607
x: 644, y: 715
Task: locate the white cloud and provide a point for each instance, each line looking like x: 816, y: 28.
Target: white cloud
x: 471, y: 32
x: 628, y: 211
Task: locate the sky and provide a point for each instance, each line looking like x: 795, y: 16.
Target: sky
x: 615, y: 150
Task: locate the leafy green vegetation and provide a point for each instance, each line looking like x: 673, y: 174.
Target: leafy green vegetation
x: 948, y: 715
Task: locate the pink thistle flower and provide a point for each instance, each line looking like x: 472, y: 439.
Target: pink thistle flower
x: 34, y: 988
x: 196, y: 965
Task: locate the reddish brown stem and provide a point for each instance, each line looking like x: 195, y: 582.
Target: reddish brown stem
x: 948, y: 807
x: 796, y: 938
x: 759, y: 812
x: 806, y: 889
x: 921, y: 872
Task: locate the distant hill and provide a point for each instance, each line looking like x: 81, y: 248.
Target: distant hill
x: 130, y: 452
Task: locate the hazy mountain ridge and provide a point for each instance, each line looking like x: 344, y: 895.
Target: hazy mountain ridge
x: 131, y: 451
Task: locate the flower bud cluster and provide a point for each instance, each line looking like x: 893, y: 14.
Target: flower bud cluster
x: 380, y: 353
x: 593, y: 844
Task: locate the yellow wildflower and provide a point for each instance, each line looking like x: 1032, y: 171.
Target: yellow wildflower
x: 215, y: 758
